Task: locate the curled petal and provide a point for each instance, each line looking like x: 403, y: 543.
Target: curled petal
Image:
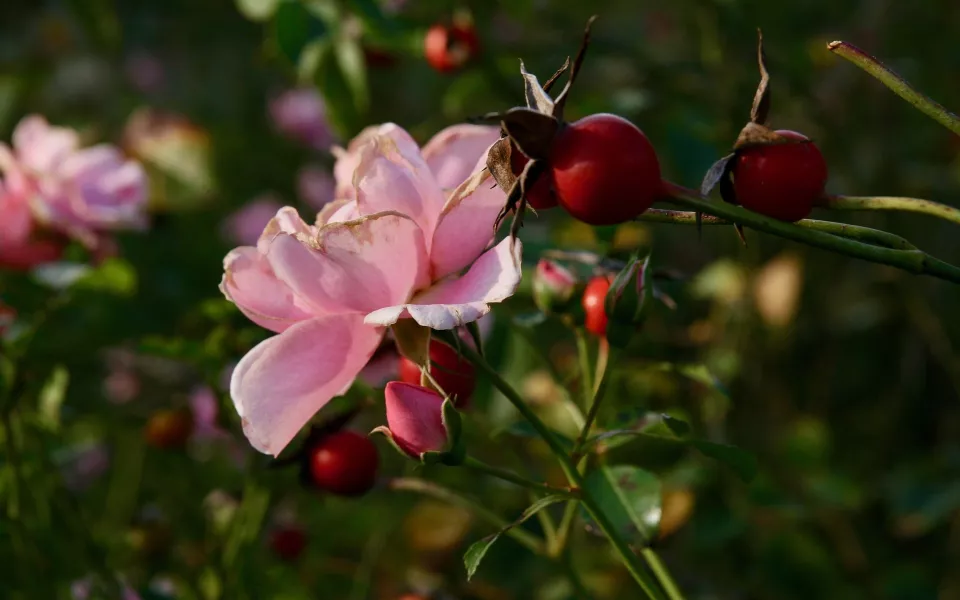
x: 356, y: 266
x: 287, y: 220
x: 392, y: 176
x: 466, y: 224
x: 280, y: 384
x: 456, y: 301
x: 349, y: 159
x: 453, y: 153
x: 338, y: 211
x: 250, y: 283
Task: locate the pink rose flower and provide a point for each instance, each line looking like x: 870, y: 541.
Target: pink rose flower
x: 301, y: 115
x: 245, y: 225
x: 415, y: 418
x: 404, y: 248
x: 50, y: 181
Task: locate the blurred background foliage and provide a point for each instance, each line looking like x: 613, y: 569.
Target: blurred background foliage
x: 841, y: 377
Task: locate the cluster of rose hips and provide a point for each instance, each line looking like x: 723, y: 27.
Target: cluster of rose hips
x: 603, y: 170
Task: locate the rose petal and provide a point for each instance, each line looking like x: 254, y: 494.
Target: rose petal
x: 280, y: 384
x: 349, y: 159
x: 453, y: 153
x: 287, y: 220
x: 466, y: 224
x: 250, y: 283
x: 338, y: 211
x: 392, y: 176
x: 415, y: 418
x: 453, y: 302
x: 357, y: 266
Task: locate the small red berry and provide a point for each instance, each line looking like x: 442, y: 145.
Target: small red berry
x: 594, y: 297
x: 782, y: 181
x: 605, y: 170
x: 449, y: 47
x: 451, y: 371
x: 540, y: 196
x: 344, y: 463
x: 288, y: 543
x: 168, y: 429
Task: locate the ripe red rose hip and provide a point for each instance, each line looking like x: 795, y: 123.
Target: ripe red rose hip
x: 594, y: 297
x: 344, y: 463
x: 288, y: 543
x: 449, y: 47
x: 783, y: 181
x: 604, y: 170
x: 451, y: 371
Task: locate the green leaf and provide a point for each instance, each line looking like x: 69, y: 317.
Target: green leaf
x: 114, y: 276
x: 630, y: 498
x: 475, y: 553
x: 294, y: 28
x: 51, y: 397
x: 258, y: 10
x: 373, y: 19
x: 318, y: 64
x: 354, y: 68
x: 738, y: 459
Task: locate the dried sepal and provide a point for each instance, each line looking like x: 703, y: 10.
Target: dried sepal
x: 553, y: 78
x: 499, y: 163
x: 761, y: 100
x: 561, y: 100
x: 717, y: 171
x: 537, y: 97
x: 531, y: 132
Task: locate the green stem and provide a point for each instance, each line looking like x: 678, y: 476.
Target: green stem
x: 916, y: 205
x: 597, y: 398
x: 867, y: 235
x: 512, y: 477
x: 912, y: 261
x: 565, y: 527
x: 663, y: 576
x: 583, y: 353
x: 427, y: 488
x: 897, y: 84
x: 627, y: 555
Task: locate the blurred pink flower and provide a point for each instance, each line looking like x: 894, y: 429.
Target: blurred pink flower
x: 301, y: 115
x: 50, y: 181
x: 315, y: 186
x: 415, y: 418
x: 246, y: 224
x: 399, y: 250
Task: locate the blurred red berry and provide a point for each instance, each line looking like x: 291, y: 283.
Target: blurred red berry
x: 604, y: 170
x: 783, y: 181
x: 594, y: 297
x: 344, y: 463
x: 288, y: 543
x: 169, y: 428
x: 449, y: 47
x: 451, y: 371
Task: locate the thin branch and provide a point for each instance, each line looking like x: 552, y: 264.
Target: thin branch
x: 895, y: 203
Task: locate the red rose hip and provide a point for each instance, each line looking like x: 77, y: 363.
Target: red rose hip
x: 594, y: 297
x: 451, y: 371
x: 447, y: 48
x: 344, y: 463
x: 288, y: 543
x: 783, y: 181
x: 604, y: 170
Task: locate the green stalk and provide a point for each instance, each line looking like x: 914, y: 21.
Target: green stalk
x: 514, y: 478
x: 896, y: 203
x: 898, y: 85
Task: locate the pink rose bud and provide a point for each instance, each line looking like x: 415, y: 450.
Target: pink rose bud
x: 553, y: 287
x: 415, y: 418
x: 301, y: 115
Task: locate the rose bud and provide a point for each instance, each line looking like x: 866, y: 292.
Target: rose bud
x: 422, y: 424
x: 553, y: 287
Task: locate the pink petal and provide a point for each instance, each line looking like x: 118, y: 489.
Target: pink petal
x: 393, y: 176
x: 466, y: 224
x: 40, y: 147
x: 357, y: 266
x: 16, y: 221
x: 287, y: 220
x: 338, y: 211
x: 453, y: 153
x: 250, y: 283
x: 415, y: 418
x: 349, y: 159
x: 456, y: 301
x: 280, y: 384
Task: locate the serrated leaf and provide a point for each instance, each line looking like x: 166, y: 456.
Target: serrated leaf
x: 475, y: 553
x: 354, y: 68
x: 630, y: 498
x: 738, y: 459
x: 51, y: 397
x: 258, y: 10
